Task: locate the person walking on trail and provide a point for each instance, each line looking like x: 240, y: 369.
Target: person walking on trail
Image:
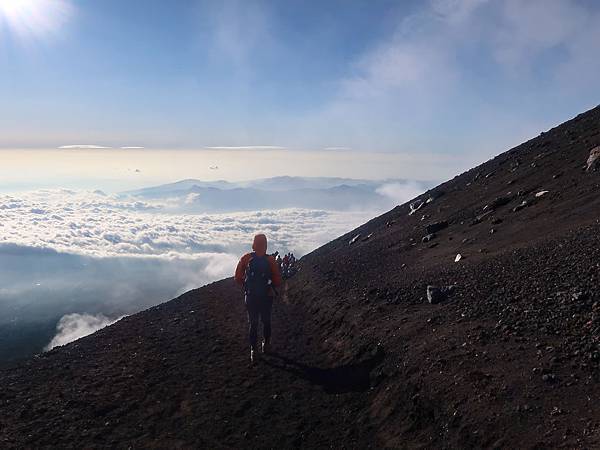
x: 258, y: 273
x: 286, y: 265
x: 292, y: 265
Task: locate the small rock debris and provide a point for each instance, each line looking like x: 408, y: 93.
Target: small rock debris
x: 354, y: 239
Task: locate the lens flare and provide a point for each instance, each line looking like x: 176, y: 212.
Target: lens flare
x: 27, y: 19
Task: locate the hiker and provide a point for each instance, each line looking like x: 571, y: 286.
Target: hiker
x: 258, y: 273
x: 286, y: 265
x: 292, y: 267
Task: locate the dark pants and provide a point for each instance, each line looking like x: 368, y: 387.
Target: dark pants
x: 259, y: 308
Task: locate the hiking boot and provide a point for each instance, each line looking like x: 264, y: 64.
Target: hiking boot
x: 266, y: 347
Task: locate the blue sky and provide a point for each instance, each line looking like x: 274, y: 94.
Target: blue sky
x: 451, y: 76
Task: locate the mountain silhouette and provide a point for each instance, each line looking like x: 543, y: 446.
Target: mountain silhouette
x: 330, y: 193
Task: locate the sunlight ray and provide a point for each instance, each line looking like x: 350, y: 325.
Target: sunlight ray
x: 33, y: 19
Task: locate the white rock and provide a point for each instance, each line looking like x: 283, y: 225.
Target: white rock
x: 592, y: 162
x: 541, y: 193
x: 458, y: 258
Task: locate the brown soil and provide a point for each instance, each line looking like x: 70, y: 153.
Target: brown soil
x: 362, y: 360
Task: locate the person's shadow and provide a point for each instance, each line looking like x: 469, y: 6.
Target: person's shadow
x: 336, y: 380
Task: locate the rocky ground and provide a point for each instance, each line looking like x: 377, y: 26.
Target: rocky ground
x: 506, y: 355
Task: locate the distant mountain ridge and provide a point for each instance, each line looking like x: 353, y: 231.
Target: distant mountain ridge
x: 331, y: 193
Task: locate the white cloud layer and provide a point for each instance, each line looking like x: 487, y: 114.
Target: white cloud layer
x: 476, y: 72
x: 401, y: 192
x: 74, y: 326
x: 99, y: 225
x: 248, y: 147
x: 426, y: 53
x: 82, y: 147
x: 84, y: 259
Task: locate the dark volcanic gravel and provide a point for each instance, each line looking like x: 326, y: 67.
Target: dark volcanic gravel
x: 508, y: 359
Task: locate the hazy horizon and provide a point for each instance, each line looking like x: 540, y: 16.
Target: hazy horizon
x: 115, y: 170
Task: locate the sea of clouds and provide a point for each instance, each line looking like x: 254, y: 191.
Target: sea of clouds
x: 75, y: 261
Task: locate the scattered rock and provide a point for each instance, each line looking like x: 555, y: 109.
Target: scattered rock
x: 354, y: 239
x: 497, y: 202
x: 428, y: 238
x: 436, y: 226
x: 435, y: 295
x: 434, y: 196
x: 548, y: 377
x: 415, y: 206
x: 367, y: 237
x: 523, y: 204
x: 458, y: 258
x: 480, y: 217
x: 594, y: 159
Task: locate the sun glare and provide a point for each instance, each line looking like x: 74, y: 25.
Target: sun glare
x: 33, y: 18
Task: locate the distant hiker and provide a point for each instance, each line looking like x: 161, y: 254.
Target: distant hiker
x: 258, y: 273
x: 286, y: 265
x: 292, y: 266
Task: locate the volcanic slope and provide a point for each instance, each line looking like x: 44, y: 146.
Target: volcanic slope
x: 509, y: 358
